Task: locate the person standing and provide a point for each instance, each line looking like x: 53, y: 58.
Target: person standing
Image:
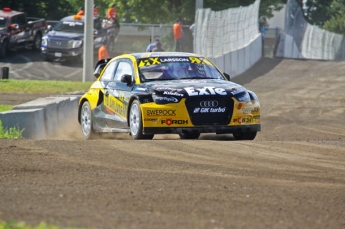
x: 103, y: 52
x: 81, y: 11
x: 112, y: 15
x: 178, y: 34
x: 192, y: 29
x: 95, y: 10
x: 158, y: 47
x: 152, y: 45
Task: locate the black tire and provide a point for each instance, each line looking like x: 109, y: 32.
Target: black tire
x: 47, y: 58
x: 37, y: 42
x: 192, y: 135
x: 244, y: 135
x: 4, y: 49
x: 136, y: 123
x: 86, y: 121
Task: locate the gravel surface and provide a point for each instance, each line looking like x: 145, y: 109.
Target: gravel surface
x: 291, y: 176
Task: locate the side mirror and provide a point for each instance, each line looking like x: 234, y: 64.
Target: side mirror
x: 98, y: 70
x: 126, y: 78
x: 227, y: 76
x: 49, y: 27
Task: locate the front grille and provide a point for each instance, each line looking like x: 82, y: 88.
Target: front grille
x: 210, y: 110
x: 58, y: 43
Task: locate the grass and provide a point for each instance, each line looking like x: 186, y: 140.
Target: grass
x: 40, y: 86
x: 13, y: 132
x: 21, y: 225
x: 5, y: 108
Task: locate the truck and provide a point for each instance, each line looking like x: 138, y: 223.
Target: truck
x: 65, y: 40
x: 18, y: 31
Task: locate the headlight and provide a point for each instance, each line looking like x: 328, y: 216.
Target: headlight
x: 76, y: 43
x: 44, y: 41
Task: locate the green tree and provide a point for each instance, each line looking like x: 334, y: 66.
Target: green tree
x: 336, y: 22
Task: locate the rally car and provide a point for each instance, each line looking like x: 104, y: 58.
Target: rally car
x: 144, y: 94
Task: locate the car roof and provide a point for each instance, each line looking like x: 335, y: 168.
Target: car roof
x: 161, y: 54
x: 10, y: 13
x: 74, y: 18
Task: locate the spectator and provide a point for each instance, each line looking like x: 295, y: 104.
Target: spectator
x: 192, y: 29
x: 95, y: 10
x: 103, y: 52
x: 81, y: 11
x: 152, y: 45
x: 112, y: 15
x: 158, y: 47
x: 178, y: 34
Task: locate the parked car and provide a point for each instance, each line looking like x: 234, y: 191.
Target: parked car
x: 66, y: 38
x: 18, y: 31
x: 144, y: 94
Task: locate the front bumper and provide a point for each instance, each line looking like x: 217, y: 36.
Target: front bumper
x: 60, y: 53
x: 204, y: 129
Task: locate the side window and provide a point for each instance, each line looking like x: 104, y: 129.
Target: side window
x: 109, y: 72
x: 18, y: 19
x: 122, y: 69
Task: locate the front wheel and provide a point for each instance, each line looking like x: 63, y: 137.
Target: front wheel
x: 37, y: 42
x: 136, y: 123
x: 86, y: 121
x: 244, y: 135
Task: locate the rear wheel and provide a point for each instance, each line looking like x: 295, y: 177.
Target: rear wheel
x: 4, y: 49
x: 136, y: 124
x: 192, y: 135
x: 86, y: 121
x: 245, y: 135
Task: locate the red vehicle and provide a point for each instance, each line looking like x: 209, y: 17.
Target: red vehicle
x: 18, y: 31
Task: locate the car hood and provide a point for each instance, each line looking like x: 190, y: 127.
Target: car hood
x: 175, y: 90
x: 64, y: 35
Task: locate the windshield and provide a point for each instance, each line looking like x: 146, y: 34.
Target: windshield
x: 3, y: 22
x: 70, y: 27
x: 168, y: 68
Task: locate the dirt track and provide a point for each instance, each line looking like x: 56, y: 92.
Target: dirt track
x: 291, y: 176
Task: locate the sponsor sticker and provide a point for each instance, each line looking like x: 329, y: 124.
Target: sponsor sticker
x: 161, y: 112
x: 170, y: 122
x: 205, y: 91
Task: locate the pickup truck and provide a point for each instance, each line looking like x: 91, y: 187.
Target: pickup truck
x: 65, y: 40
x: 18, y: 31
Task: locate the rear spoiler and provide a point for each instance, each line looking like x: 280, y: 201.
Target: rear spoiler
x: 103, y: 61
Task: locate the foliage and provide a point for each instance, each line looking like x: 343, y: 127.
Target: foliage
x: 336, y: 23
x: 138, y: 11
x: 315, y: 11
x: 13, y: 132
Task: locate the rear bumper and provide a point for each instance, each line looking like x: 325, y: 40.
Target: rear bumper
x: 204, y: 129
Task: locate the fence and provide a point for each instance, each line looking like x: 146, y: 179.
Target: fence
x: 305, y: 41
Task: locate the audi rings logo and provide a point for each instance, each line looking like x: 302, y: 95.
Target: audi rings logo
x: 210, y: 103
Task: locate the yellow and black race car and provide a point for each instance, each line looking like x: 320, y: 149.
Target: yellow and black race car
x: 144, y: 94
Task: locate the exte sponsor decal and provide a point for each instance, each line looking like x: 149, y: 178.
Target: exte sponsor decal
x: 205, y: 91
x: 161, y: 112
x: 170, y: 122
